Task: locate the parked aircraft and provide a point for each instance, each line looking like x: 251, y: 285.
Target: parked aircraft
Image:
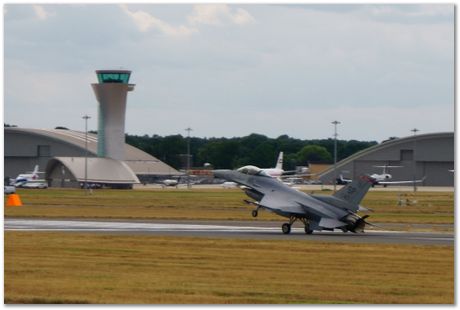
x: 30, y: 179
x: 380, y: 179
x: 316, y: 212
x: 341, y: 180
x: 229, y: 185
x: 170, y: 182
x: 278, y: 172
x: 28, y: 176
x: 384, y: 178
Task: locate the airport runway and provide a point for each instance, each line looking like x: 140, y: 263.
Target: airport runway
x: 224, y: 229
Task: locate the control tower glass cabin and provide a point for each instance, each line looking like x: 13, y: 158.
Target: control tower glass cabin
x: 111, y: 92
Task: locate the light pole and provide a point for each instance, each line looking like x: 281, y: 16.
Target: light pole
x: 188, y: 156
x: 414, y: 172
x: 86, y: 117
x: 335, y: 153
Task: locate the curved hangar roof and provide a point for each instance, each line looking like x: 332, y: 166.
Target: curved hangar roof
x: 99, y: 170
x: 139, y: 161
x: 434, y: 155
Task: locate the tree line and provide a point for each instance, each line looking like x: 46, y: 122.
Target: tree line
x: 254, y: 149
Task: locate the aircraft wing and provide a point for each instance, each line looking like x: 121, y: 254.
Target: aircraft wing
x: 277, y: 203
x: 401, y: 182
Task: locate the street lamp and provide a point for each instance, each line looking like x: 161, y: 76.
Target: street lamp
x: 414, y: 164
x: 188, y: 156
x: 335, y: 153
x: 86, y: 117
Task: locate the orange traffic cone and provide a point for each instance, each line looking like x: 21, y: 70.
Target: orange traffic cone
x: 13, y: 201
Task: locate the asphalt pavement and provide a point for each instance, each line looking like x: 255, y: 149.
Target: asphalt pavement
x: 224, y: 229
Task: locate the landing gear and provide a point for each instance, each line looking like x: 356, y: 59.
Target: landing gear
x: 286, y: 228
x: 255, y: 212
x: 308, y: 231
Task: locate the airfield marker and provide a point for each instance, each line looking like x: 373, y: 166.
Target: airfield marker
x: 13, y: 201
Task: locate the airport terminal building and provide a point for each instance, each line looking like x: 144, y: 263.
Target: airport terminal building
x: 428, y: 155
x: 61, y: 155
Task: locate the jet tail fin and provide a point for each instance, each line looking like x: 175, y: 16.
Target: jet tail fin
x: 279, y: 162
x: 35, y: 169
x: 355, y: 191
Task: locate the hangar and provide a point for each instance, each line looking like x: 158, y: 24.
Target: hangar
x: 61, y: 153
x: 432, y: 154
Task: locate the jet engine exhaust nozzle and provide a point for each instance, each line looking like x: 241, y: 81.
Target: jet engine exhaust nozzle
x: 356, y: 224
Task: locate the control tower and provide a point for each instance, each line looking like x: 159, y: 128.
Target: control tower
x: 111, y: 92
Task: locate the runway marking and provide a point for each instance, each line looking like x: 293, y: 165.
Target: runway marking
x: 116, y: 226
x: 123, y: 226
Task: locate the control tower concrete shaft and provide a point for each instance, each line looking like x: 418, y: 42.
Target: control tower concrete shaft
x: 111, y: 92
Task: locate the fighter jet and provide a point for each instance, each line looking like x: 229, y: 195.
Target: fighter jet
x: 316, y: 212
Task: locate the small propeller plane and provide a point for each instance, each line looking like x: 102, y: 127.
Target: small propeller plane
x: 316, y: 212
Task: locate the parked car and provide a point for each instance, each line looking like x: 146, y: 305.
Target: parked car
x: 9, y: 189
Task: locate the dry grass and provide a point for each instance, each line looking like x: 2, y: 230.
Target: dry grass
x: 432, y: 207
x: 85, y: 268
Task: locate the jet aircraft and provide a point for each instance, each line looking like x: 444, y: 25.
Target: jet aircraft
x: 384, y: 178
x: 316, y: 212
x: 170, y: 182
x: 29, y: 179
x: 278, y: 172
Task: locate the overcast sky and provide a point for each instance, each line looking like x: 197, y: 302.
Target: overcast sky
x: 232, y: 70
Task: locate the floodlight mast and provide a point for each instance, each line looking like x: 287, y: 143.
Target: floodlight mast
x: 335, y: 123
x: 188, y: 155
x: 86, y: 117
x: 414, y: 163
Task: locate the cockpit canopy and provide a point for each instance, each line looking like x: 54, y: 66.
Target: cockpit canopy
x: 252, y: 170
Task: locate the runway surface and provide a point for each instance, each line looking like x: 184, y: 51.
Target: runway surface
x: 223, y: 229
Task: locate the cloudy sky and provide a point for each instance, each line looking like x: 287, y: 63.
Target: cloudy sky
x: 231, y: 70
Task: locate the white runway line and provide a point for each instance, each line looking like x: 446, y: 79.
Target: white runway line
x: 116, y: 226
x: 123, y: 226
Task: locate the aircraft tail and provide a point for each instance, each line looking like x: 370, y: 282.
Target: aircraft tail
x: 279, y: 162
x: 35, y: 169
x: 355, y: 191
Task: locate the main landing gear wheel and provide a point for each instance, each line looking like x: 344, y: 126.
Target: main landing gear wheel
x: 286, y: 228
x: 308, y: 231
x: 254, y: 213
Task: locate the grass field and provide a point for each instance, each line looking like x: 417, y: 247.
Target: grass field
x: 108, y: 268
x: 97, y: 268
x: 209, y: 204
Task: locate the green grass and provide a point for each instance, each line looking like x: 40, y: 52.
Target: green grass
x: 99, y: 268
x: 208, y: 204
